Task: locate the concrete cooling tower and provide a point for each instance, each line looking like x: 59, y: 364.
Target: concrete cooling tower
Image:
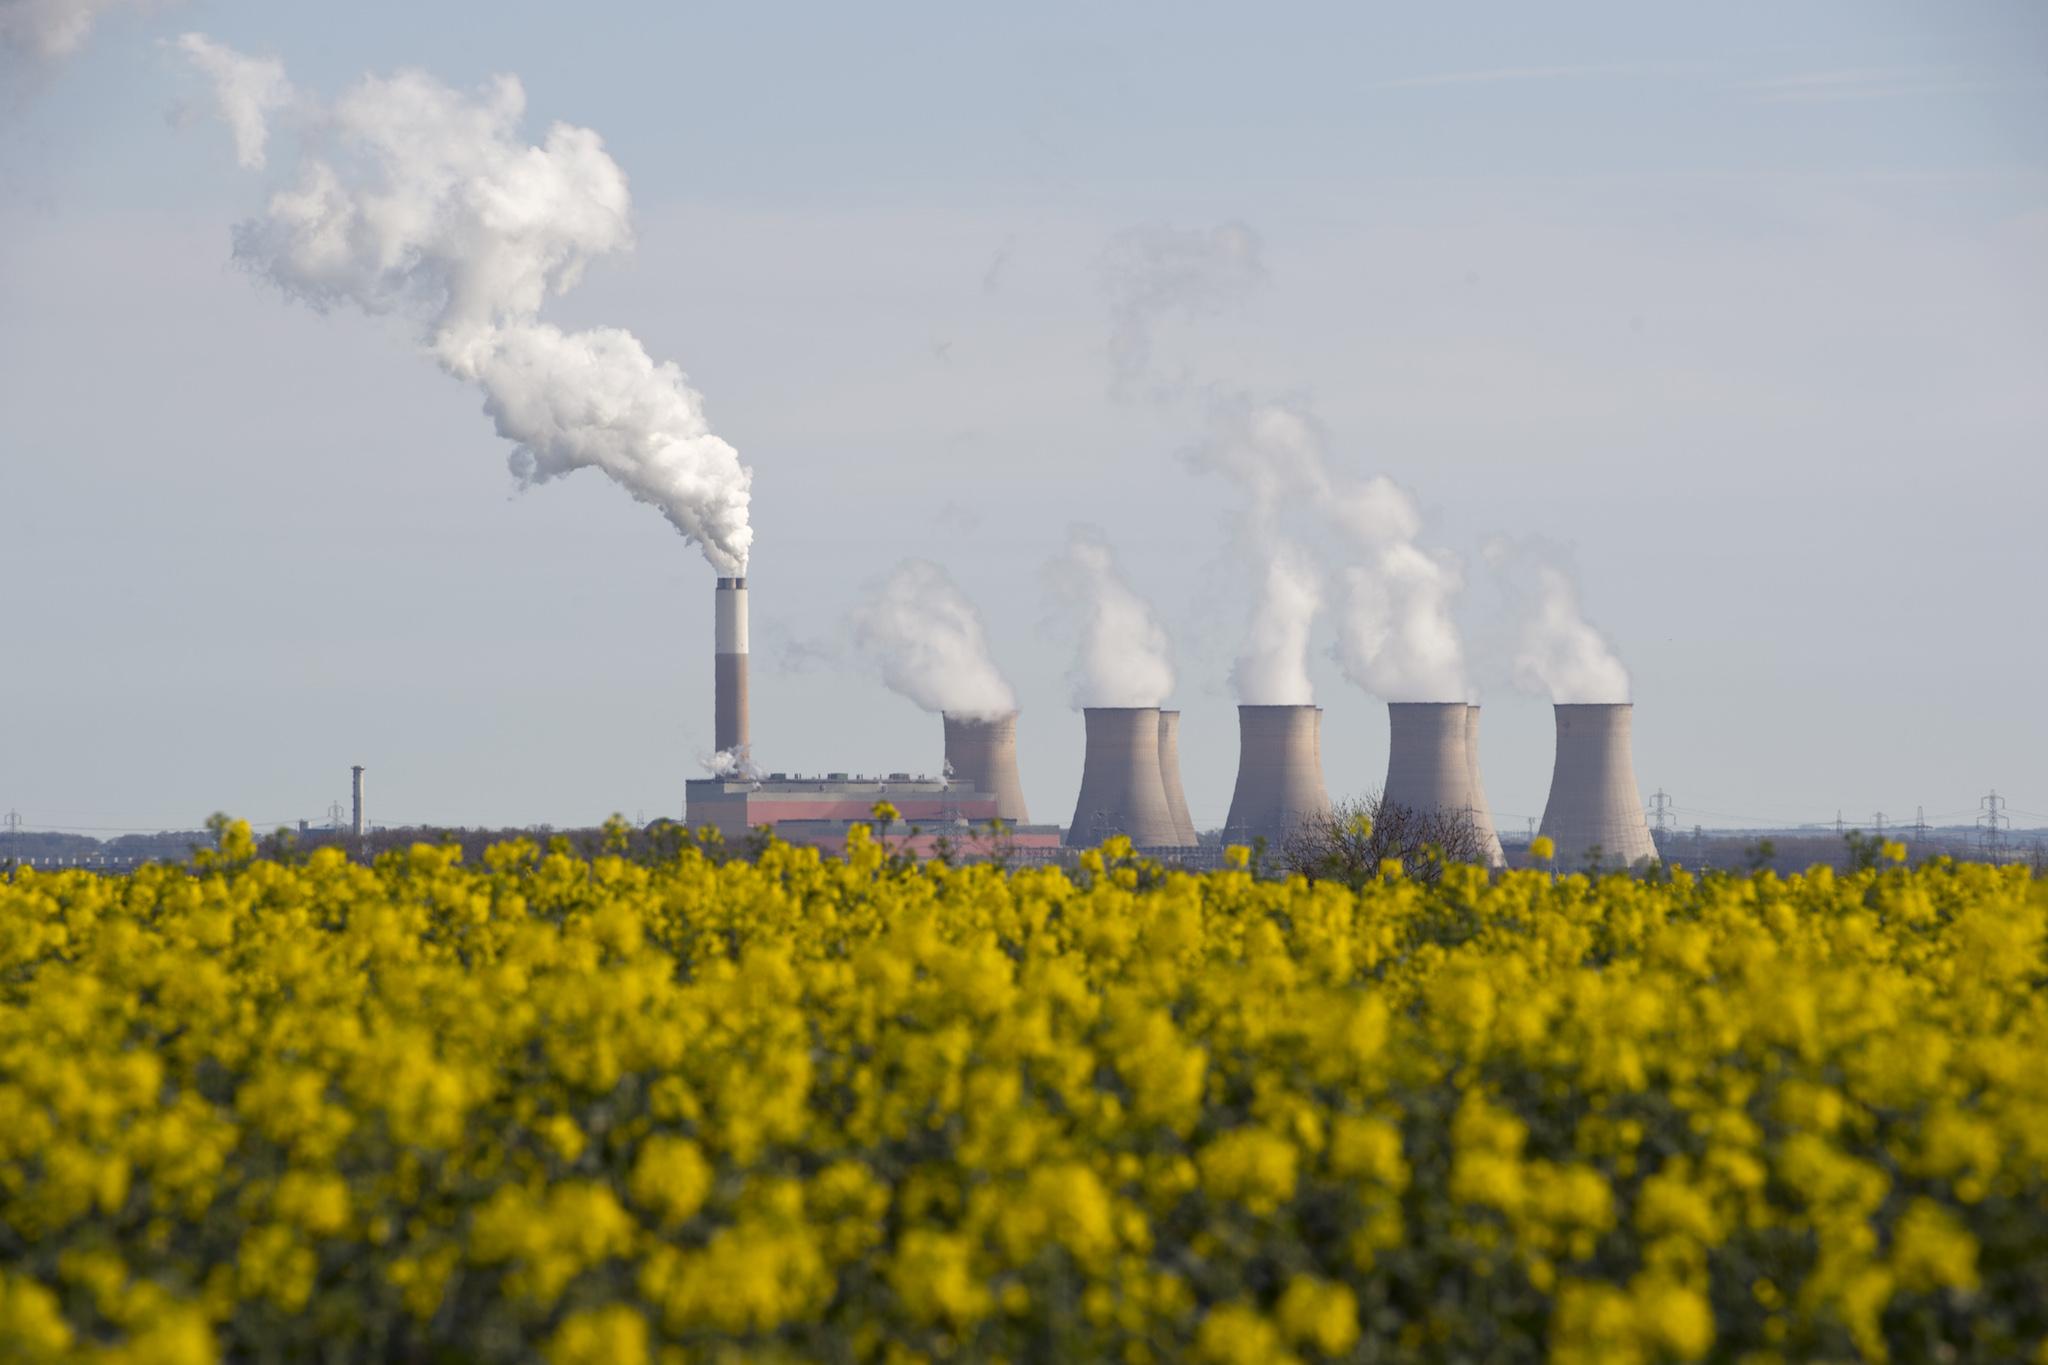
x: 982, y: 755
x: 1482, y: 809
x: 729, y: 685
x: 1121, y: 791
x: 1169, y: 778
x: 1431, y: 765
x: 1594, y: 802
x: 1279, y: 773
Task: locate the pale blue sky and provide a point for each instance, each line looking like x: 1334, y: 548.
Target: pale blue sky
x: 1747, y: 307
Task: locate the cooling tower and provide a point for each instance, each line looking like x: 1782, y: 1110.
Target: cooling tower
x: 1482, y: 810
x: 1594, y: 802
x: 982, y: 755
x: 729, y: 689
x: 1169, y: 778
x: 1432, y: 765
x: 1121, y: 792
x: 1279, y: 773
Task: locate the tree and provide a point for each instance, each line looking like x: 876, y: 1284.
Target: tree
x: 1354, y: 840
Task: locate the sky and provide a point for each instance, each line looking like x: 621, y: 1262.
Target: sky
x: 1739, y: 313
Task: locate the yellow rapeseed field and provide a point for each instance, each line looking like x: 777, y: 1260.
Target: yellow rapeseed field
x: 600, y: 1110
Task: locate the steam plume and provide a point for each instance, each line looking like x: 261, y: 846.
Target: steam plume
x: 245, y: 89
x: 1273, y: 670
x: 1396, y: 635
x: 1125, y: 657
x: 1152, y: 273
x: 927, y: 637
x: 51, y: 29
x: 433, y: 207
x: 1556, y: 650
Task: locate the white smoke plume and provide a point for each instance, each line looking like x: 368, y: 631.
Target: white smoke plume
x: 1396, y: 634
x: 927, y: 637
x: 1273, y: 669
x: 246, y: 91
x: 424, y: 202
x: 1151, y: 274
x: 1557, y: 651
x: 48, y: 30
x: 1125, y: 658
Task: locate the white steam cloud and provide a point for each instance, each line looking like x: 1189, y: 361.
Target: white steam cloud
x: 246, y: 91
x: 1154, y: 273
x: 427, y: 203
x: 1556, y: 649
x: 1125, y: 658
x: 48, y: 30
x: 1396, y: 634
x: 927, y: 637
x: 1273, y: 669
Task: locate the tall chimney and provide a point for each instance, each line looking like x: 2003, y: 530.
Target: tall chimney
x: 1482, y: 810
x: 1594, y: 802
x: 1279, y: 773
x: 730, y: 682
x: 982, y: 754
x: 1121, y: 791
x: 356, y: 789
x: 1169, y: 778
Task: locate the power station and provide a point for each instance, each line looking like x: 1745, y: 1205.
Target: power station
x: 1131, y: 777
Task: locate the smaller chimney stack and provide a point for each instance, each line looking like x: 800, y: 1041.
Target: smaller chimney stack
x: 356, y: 788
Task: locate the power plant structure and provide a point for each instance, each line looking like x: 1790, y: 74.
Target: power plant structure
x: 1169, y: 778
x: 1495, y: 856
x: 1131, y: 782
x: 1432, y: 766
x: 1279, y: 773
x: 355, y: 784
x: 821, y: 810
x: 1595, y: 807
x: 1122, y: 791
x: 981, y: 755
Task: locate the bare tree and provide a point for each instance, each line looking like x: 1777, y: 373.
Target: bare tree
x: 1354, y: 840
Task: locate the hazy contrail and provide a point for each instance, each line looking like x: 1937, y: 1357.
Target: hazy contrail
x: 426, y: 202
x: 1151, y: 273
x: 51, y: 29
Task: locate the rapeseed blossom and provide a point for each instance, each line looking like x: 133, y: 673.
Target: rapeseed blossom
x: 866, y: 1108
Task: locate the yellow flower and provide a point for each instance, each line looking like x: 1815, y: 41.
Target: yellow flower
x: 615, y: 1334
x: 1319, y: 1314
x: 670, y: 1178
x: 1542, y: 848
x: 1252, y: 1166
x: 1236, y: 1334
